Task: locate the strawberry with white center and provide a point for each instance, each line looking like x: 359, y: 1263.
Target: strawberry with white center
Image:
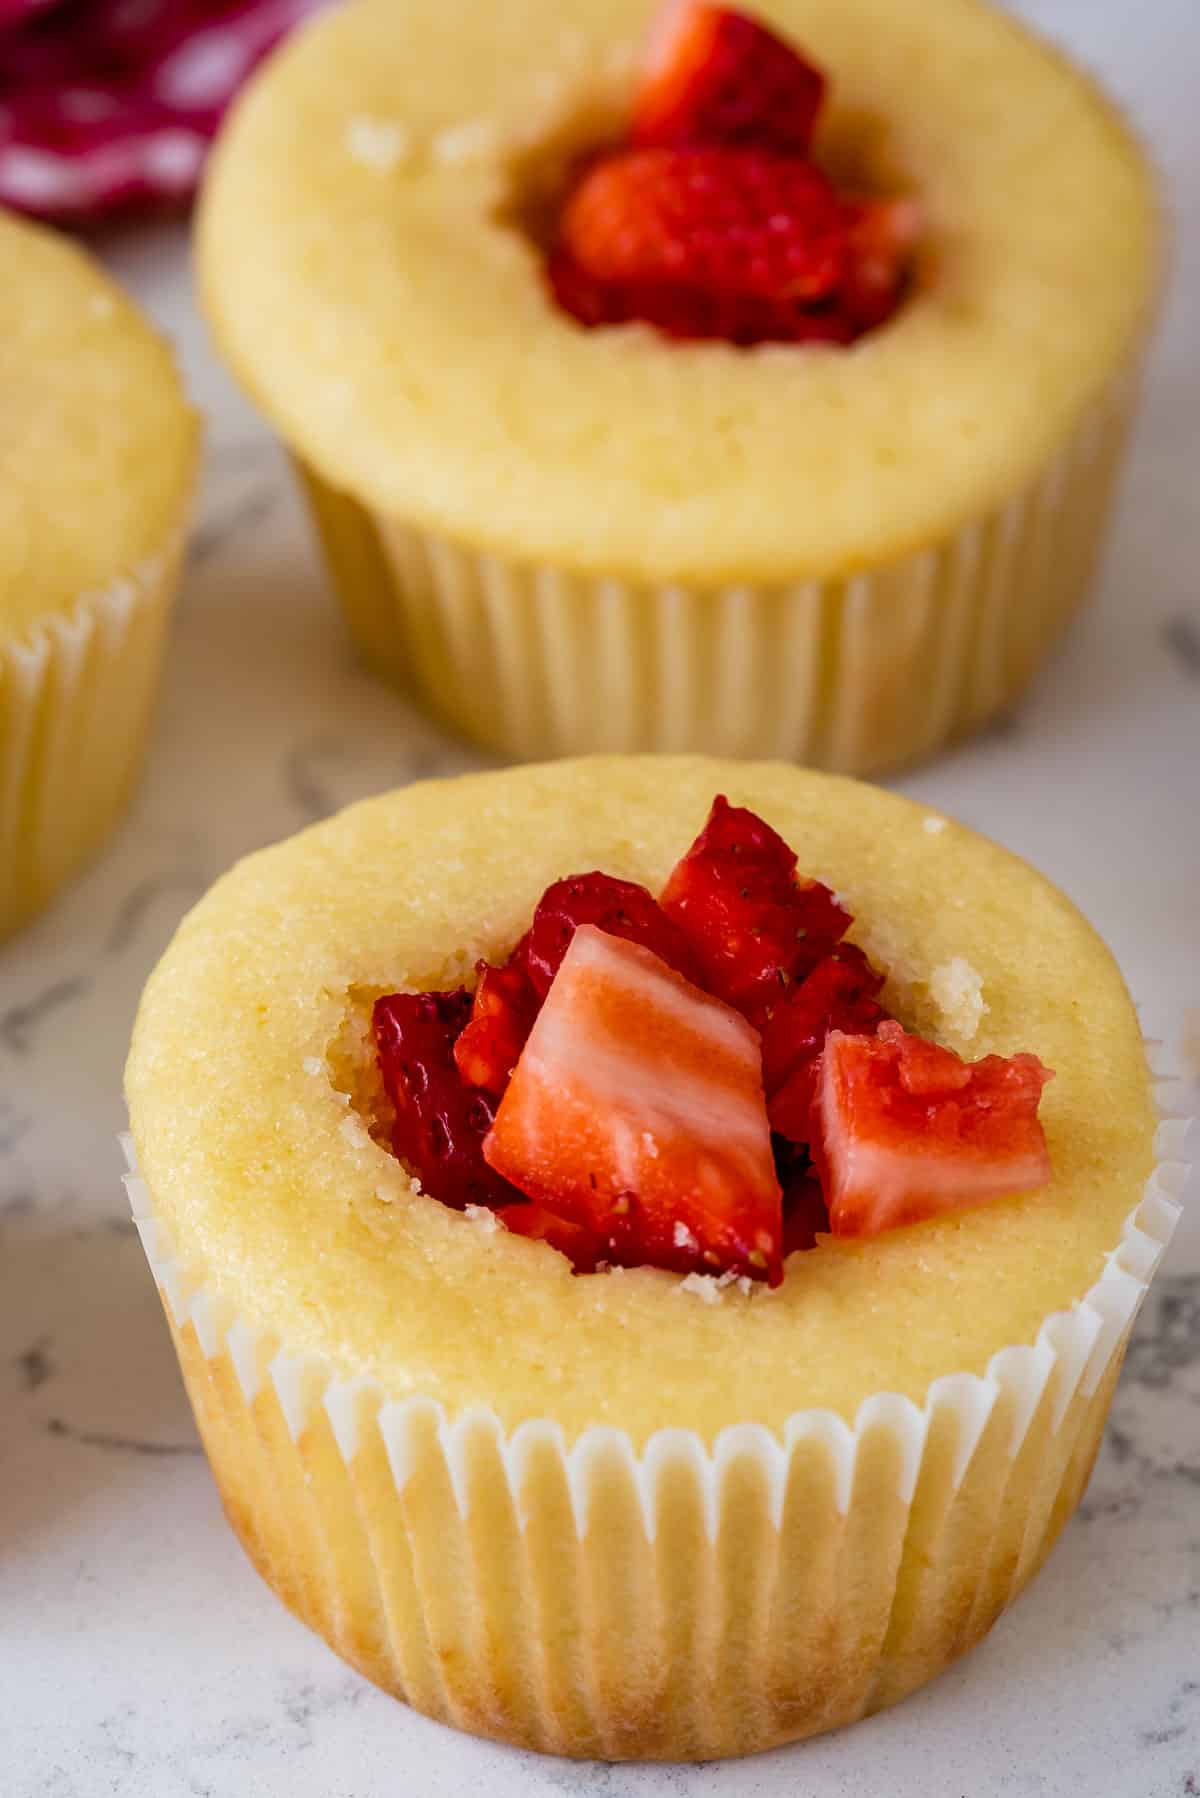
x: 637, y: 1111
x: 508, y: 998
x: 905, y: 1130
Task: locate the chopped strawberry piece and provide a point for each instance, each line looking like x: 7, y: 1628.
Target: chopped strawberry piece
x: 637, y: 1111
x: 502, y: 1015
x: 715, y: 76
x: 926, y: 1070
x: 620, y: 907
x: 710, y: 222
x: 839, y: 994
x: 644, y: 1122
x: 753, y: 925
x: 883, y: 234
x: 581, y: 1246
x: 688, y: 313
x: 735, y: 830
x: 906, y: 1130
x: 590, y: 301
x: 714, y: 221
x: 880, y: 238
x: 507, y: 998
x: 440, y: 1124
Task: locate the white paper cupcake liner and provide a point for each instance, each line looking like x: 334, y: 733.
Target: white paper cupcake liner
x: 684, y: 1601
x: 76, y: 693
x: 855, y: 673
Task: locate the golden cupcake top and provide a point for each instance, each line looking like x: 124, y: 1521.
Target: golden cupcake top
x: 255, y: 1094
x: 98, y: 445
x: 368, y: 264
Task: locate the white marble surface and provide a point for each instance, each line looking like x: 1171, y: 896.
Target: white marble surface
x: 138, y: 1653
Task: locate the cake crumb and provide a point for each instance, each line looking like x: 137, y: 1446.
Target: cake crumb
x: 102, y: 305
x: 379, y: 144
x: 684, y: 1238
x: 957, y: 990
x: 483, y: 1218
x: 933, y: 824
x: 704, y: 1286
x: 355, y: 1131
x: 468, y: 142
x: 313, y: 1066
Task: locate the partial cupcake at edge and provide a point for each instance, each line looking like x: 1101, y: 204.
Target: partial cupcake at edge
x: 98, y: 456
x: 650, y: 1242
x: 691, y: 381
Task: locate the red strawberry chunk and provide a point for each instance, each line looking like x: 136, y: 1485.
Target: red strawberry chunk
x: 637, y: 1111
x: 708, y: 221
x: 879, y: 243
x: 883, y: 234
x: 839, y: 994
x: 507, y: 998
x: 619, y: 907
x: 689, y: 313
x: 582, y: 1247
x: 906, y: 1130
x: 592, y: 302
x: 715, y: 76
x: 440, y: 1124
x: 714, y: 221
x: 752, y: 924
x: 502, y: 1015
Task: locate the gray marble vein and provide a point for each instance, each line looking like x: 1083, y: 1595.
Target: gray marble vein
x: 1182, y: 638
x: 34, y: 1365
x: 119, y: 1445
x: 14, y: 1125
x: 1167, y: 1343
x: 1181, y: 1718
x: 319, y: 772
x: 227, y: 522
x: 175, y: 886
x: 20, y: 1023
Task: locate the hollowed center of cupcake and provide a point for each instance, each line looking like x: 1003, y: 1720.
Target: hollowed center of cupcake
x: 701, y: 1082
x: 710, y: 217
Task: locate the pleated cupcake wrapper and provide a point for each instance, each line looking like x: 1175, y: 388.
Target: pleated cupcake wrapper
x: 76, y: 693
x: 678, y: 1602
x: 854, y: 673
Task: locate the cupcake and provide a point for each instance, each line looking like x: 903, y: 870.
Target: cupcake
x: 641, y: 1296
x: 98, y: 469
x: 593, y: 471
